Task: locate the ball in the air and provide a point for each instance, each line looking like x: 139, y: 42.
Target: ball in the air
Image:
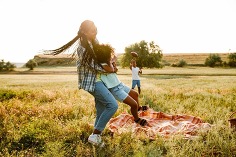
x: 134, y: 54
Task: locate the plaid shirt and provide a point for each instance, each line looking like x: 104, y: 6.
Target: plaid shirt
x: 86, y: 74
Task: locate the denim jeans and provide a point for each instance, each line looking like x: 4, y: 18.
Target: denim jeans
x: 106, y: 105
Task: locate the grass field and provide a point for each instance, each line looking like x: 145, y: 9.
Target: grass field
x: 46, y: 115
x: 192, y: 58
x: 189, y: 70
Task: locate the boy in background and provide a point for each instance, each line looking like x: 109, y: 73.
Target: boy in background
x: 136, y: 71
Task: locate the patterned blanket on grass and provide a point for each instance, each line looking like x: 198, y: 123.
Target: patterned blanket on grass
x: 159, y: 124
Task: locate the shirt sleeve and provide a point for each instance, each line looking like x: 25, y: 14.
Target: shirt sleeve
x: 104, y: 64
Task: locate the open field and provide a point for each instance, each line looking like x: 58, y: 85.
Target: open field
x: 44, y: 114
x: 192, y: 58
x: 189, y: 70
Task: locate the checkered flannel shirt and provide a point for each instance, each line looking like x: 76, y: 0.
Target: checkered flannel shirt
x: 86, y: 74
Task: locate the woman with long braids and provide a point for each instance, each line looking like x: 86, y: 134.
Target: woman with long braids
x: 88, y: 79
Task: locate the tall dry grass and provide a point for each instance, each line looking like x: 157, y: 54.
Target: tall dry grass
x: 191, y: 58
x: 46, y: 115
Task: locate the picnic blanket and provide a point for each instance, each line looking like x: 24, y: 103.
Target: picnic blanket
x: 159, y: 124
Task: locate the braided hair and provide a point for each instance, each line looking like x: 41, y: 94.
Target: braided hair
x: 88, y: 55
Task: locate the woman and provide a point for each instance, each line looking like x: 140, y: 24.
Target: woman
x: 88, y: 68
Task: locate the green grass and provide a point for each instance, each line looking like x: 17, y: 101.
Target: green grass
x: 46, y: 115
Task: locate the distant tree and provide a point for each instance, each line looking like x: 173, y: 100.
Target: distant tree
x: 2, y: 63
x: 149, y: 55
x: 31, y: 64
x: 9, y: 66
x: 6, y: 66
x: 232, y: 60
x: 213, y: 60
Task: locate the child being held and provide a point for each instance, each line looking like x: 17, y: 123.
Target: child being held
x: 106, y: 57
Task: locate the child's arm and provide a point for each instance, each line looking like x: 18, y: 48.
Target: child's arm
x: 130, y: 66
x: 140, y: 71
x: 110, y: 68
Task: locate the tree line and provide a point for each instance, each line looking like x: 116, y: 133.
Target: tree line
x: 149, y: 56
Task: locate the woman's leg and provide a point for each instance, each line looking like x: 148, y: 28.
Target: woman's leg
x: 106, y: 106
x: 99, y: 110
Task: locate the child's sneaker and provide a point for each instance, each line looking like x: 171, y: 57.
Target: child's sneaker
x: 96, y: 140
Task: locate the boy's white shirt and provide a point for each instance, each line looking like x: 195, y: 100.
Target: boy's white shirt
x: 135, y: 73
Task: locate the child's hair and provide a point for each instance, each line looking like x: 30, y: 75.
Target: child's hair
x: 104, y: 53
x: 133, y: 61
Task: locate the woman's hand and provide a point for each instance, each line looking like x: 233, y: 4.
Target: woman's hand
x: 114, y: 66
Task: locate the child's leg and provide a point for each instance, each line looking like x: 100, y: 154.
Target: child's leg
x: 131, y: 100
x: 133, y: 106
x: 138, y: 84
x: 134, y: 110
x: 139, y: 90
x: 133, y: 84
x: 121, y: 93
x: 134, y: 95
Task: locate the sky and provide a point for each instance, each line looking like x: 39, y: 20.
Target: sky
x: 177, y: 26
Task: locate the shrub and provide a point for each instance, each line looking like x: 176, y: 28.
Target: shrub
x: 232, y: 60
x: 6, y: 95
x: 9, y: 66
x: 2, y: 65
x: 31, y: 64
x: 182, y: 63
x: 6, y: 66
x: 213, y: 60
x: 28, y: 141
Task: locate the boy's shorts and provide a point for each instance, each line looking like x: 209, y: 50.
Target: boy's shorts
x: 120, y: 92
x: 135, y: 82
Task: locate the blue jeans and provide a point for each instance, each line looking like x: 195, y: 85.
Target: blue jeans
x: 106, y: 105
